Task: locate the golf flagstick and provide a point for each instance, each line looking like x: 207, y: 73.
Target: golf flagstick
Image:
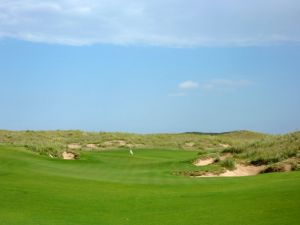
x: 130, y: 151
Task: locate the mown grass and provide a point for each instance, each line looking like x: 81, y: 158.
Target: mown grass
x: 113, y: 188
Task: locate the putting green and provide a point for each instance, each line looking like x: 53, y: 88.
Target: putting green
x: 113, y: 187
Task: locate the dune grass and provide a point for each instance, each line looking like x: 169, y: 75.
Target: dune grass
x: 269, y: 150
x: 45, y: 142
x: 113, y: 188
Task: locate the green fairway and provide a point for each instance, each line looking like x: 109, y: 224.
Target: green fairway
x: 114, y: 188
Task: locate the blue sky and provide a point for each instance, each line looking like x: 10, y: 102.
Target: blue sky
x: 134, y: 66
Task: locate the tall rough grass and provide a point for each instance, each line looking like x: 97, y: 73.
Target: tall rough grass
x: 269, y: 150
x: 228, y: 164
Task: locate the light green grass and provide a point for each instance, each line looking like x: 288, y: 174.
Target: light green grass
x: 112, y: 188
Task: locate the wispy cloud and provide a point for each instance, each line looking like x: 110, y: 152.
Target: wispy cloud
x: 188, y: 85
x: 225, y: 84
x: 186, y: 88
x: 164, y: 23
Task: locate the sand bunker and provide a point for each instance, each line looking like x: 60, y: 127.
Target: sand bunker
x: 208, y: 161
x: 68, y: 155
x: 204, y: 162
x: 239, y: 171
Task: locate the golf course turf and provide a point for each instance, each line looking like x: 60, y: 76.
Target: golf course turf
x: 114, y: 188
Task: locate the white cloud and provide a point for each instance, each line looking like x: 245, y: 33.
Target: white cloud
x: 176, y: 23
x: 188, y: 85
x: 185, y: 88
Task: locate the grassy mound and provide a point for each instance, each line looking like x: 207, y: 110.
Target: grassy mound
x: 244, y: 146
x: 45, y: 142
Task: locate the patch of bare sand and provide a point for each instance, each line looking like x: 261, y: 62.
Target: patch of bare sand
x: 288, y: 167
x: 68, y: 155
x: 239, y: 171
x: 204, y: 162
x: 208, y: 161
x: 189, y: 144
x: 115, y: 143
x: 225, y: 156
x: 224, y: 145
x: 92, y: 146
x: 242, y: 170
x: 74, y: 146
x: 118, y: 144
